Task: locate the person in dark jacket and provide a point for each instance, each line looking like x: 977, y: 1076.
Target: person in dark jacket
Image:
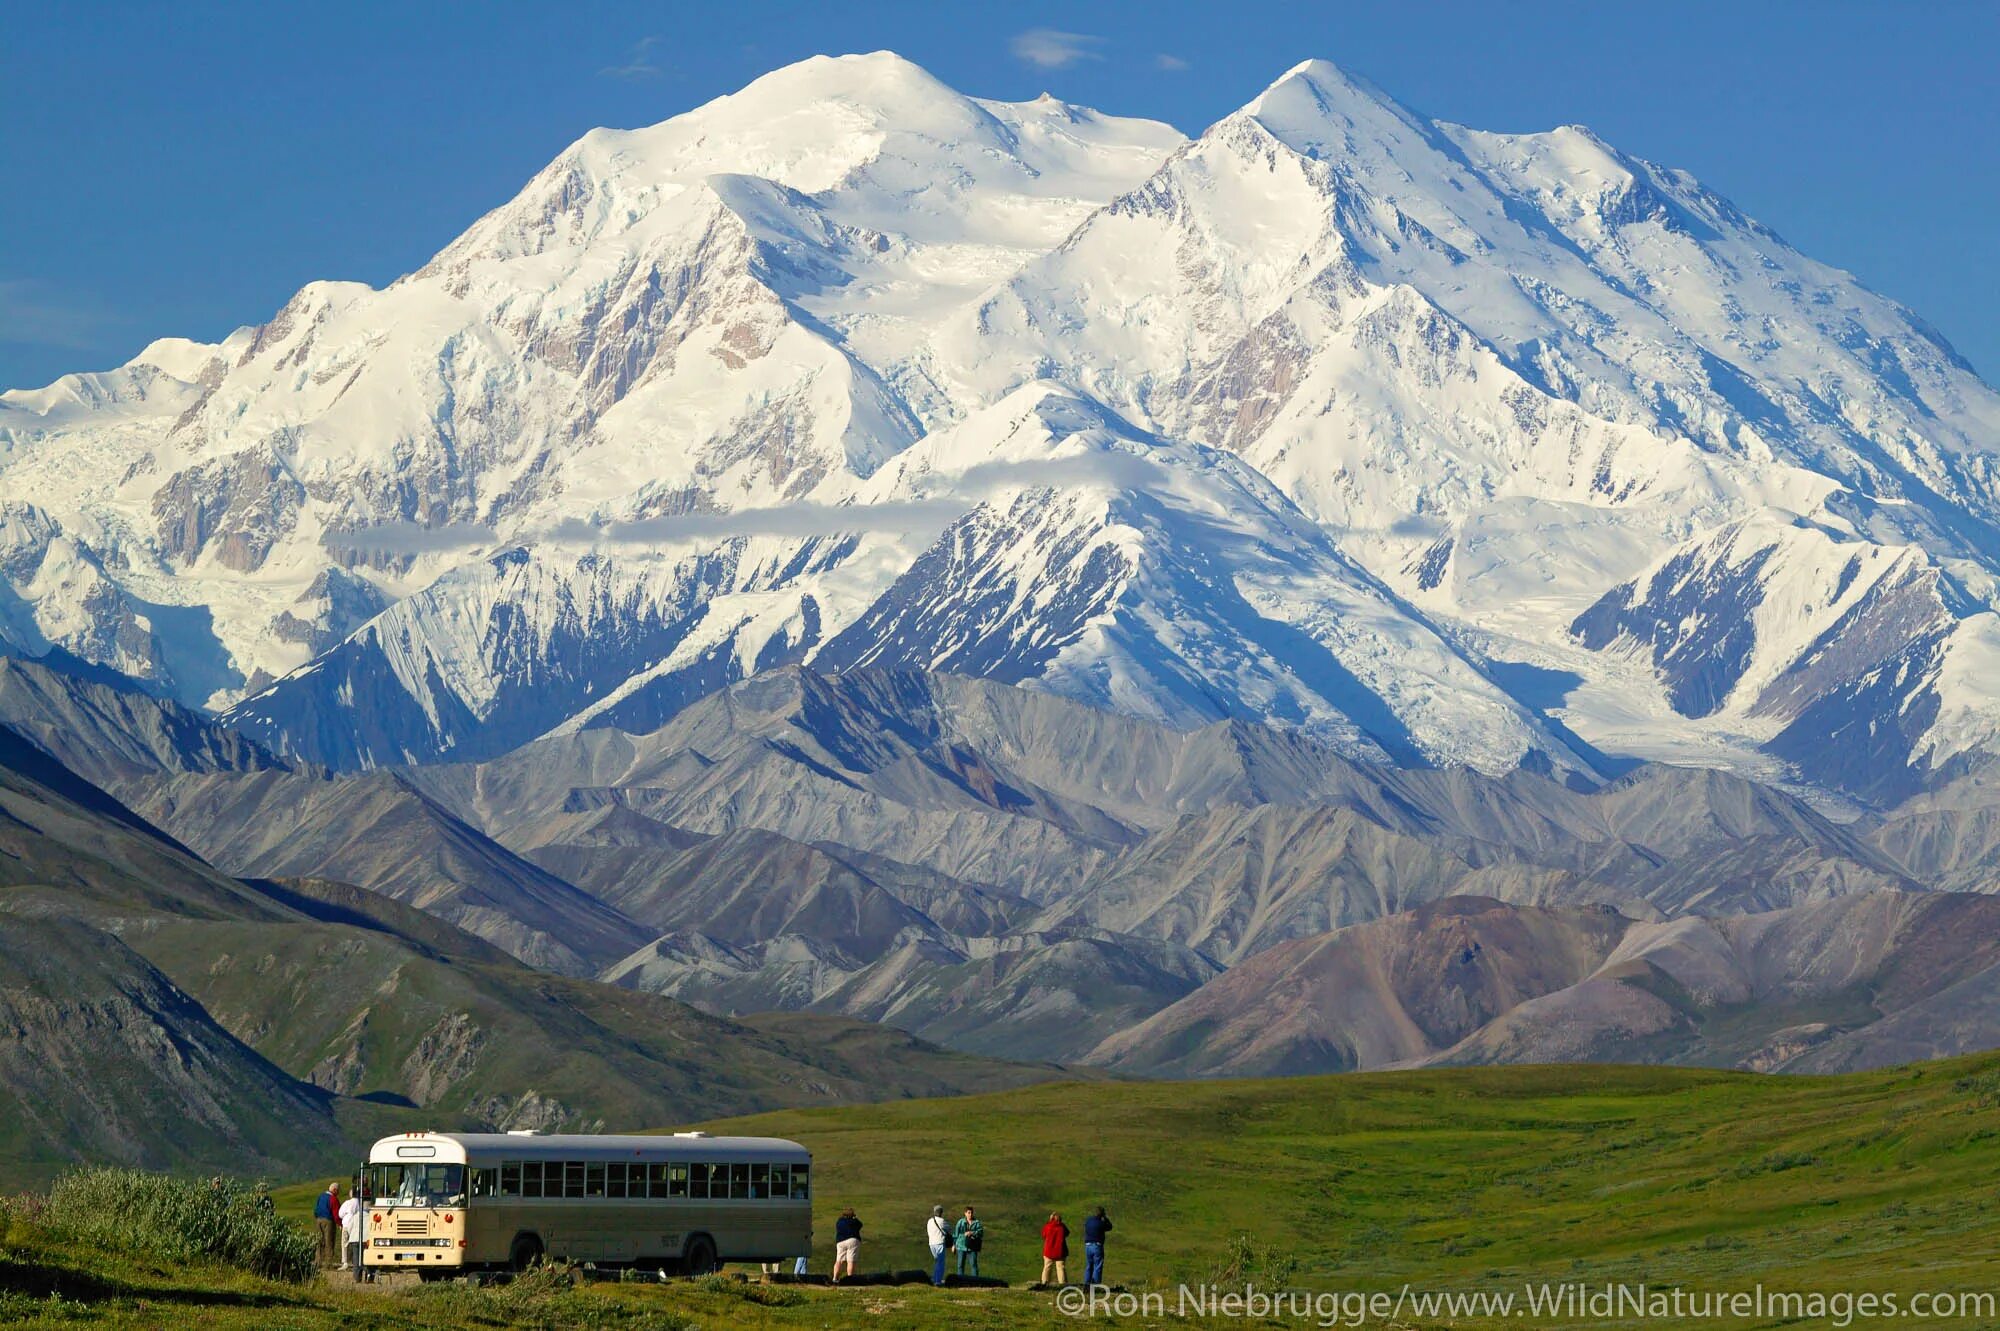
x: 1095, y: 1226
x: 1055, y: 1249
x: 846, y: 1242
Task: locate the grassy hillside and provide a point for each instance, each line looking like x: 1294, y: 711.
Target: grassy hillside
x: 1459, y: 1180
x: 1459, y: 1176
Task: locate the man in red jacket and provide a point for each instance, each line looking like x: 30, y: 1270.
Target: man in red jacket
x: 1055, y: 1249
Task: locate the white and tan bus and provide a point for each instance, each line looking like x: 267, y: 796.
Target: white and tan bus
x: 447, y: 1203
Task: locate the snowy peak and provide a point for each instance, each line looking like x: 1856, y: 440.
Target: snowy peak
x: 874, y: 138
x: 1317, y: 108
x: 1445, y: 445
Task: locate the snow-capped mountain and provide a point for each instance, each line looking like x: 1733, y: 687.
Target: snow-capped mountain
x: 1447, y: 445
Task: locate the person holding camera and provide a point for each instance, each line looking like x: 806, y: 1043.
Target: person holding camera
x: 968, y: 1236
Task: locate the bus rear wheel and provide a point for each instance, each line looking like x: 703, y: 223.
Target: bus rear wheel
x: 526, y: 1252
x: 699, y: 1259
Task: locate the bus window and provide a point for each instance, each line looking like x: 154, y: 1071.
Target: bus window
x: 678, y: 1185
x: 593, y: 1179
x: 484, y: 1182
x: 614, y: 1179
x: 656, y: 1179
x: 739, y: 1180
x: 417, y: 1185
x: 531, y: 1178
x: 801, y: 1183
x: 698, y: 1180
x: 384, y: 1180
x: 573, y: 1178
x: 760, y: 1181
x: 510, y: 1179
x: 781, y: 1183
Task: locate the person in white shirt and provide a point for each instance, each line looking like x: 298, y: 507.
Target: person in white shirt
x: 351, y: 1212
x: 937, y: 1232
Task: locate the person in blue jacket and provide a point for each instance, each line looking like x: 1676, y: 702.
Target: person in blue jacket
x: 326, y: 1220
x: 1095, y: 1226
x: 968, y: 1236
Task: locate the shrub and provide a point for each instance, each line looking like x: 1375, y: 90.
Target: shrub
x: 178, y: 1220
x: 18, y: 1307
x: 1776, y: 1163
x: 767, y: 1296
x: 542, y: 1298
x: 18, y: 1216
x: 1243, y: 1259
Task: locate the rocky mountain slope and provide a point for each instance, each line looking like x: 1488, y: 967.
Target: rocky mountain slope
x: 1859, y: 981
x: 102, y: 1057
x: 1440, y: 445
x: 156, y: 1011
x: 1008, y: 873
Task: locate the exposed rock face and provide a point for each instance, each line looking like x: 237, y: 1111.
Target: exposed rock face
x: 999, y: 869
x: 104, y: 731
x: 243, y: 506
x: 1395, y: 991
x: 335, y: 604
x: 251, y: 814
x: 378, y: 832
x: 1882, y: 978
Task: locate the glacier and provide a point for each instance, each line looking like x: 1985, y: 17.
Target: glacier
x: 1449, y: 447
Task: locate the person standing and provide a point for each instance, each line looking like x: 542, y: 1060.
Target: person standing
x: 968, y: 1236
x: 326, y: 1222
x: 937, y: 1233
x: 846, y: 1242
x: 1095, y: 1226
x: 351, y: 1216
x: 1055, y: 1249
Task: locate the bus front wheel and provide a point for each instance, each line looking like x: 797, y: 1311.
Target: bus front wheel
x: 699, y: 1259
x: 526, y: 1252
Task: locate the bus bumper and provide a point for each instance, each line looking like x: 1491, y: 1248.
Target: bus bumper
x: 413, y: 1257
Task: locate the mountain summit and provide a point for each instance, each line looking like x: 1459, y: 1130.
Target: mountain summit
x: 1444, y: 445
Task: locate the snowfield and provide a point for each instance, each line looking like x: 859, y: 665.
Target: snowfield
x: 1448, y: 446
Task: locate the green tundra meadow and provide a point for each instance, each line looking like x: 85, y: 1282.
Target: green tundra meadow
x: 1871, y: 1184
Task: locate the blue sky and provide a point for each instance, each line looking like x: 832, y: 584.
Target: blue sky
x: 182, y: 170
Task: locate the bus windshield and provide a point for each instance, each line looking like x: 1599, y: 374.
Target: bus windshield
x: 416, y: 1185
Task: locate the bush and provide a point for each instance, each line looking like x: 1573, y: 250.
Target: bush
x: 18, y: 1216
x: 767, y: 1296
x: 178, y: 1220
x: 542, y: 1298
x: 1244, y: 1259
x: 17, y: 1307
x: 1776, y: 1163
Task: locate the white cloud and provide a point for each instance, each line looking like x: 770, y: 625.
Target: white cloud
x: 1049, y: 48
x: 917, y: 517
x: 1173, y: 64
x: 638, y: 65
x: 32, y: 315
x: 410, y: 538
